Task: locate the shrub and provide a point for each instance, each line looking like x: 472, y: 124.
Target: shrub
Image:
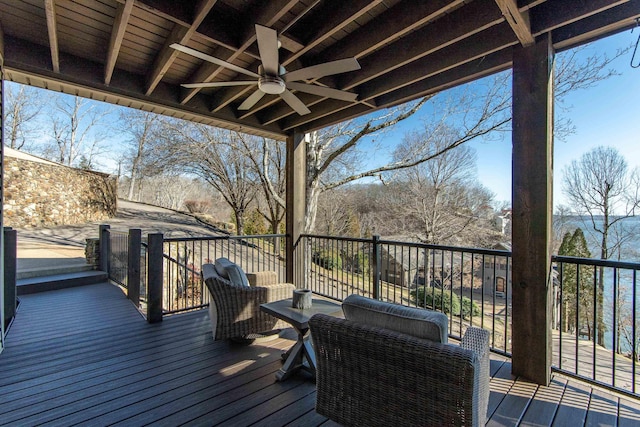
x: 327, y: 259
x: 444, y: 301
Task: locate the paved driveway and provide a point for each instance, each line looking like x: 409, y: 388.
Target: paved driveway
x: 52, y: 246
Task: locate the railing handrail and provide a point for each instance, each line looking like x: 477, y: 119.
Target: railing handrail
x: 628, y: 265
x: 227, y: 237
x: 480, y: 251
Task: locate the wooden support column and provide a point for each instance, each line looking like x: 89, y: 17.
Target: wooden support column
x: 133, y: 263
x: 532, y: 209
x: 296, y: 194
x: 2, y: 283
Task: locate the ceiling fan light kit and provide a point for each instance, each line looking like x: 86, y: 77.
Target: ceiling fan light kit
x: 272, y: 78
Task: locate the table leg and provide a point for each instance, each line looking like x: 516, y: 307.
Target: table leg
x: 296, y: 356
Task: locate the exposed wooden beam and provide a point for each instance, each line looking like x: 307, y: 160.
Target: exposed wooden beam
x: 180, y: 35
x: 117, y: 35
x: 268, y: 16
x: 342, y: 16
x: 333, y: 23
x: 1, y: 52
x: 444, y: 32
x: 50, y: 12
x: 616, y: 19
x: 377, y: 33
x: 84, y: 77
x: 556, y: 13
x: 443, y: 61
x: 519, y: 21
x: 381, y: 31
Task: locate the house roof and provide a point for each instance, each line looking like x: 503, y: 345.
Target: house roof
x: 119, y: 51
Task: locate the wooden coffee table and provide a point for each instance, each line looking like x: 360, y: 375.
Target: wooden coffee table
x: 302, y: 351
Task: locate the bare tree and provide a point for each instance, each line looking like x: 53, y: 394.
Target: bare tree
x: 268, y: 160
x: 601, y: 186
x: 75, y: 122
x: 441, y: 196
x: 336, y: 155
x: 140, y: 126
x: 213, y: 155
x: 23, y: 105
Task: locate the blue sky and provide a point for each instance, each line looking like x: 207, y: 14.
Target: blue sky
x: 608, y: 114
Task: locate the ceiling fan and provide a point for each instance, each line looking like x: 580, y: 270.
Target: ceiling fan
x: 273, y: 79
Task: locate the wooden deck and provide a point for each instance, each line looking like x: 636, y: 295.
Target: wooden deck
x: 85, y: 356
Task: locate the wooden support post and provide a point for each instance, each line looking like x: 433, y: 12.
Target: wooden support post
x: 133, y: 265
x: 105, y: 248
x: 532, y: 209
x: 9, y: 274
x: 154, y: 277
x: 296, y: 195
x: 2, y: 282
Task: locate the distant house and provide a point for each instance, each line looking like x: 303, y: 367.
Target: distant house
x: 502, y: 220
x: 401, y: 265
x: 497, y: 273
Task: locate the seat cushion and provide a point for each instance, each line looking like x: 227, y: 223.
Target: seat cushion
x: 420, y: 323
x: 231, y: 271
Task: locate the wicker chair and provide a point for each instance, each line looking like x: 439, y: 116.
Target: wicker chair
x: 373, y: 376
x: 234, y: 309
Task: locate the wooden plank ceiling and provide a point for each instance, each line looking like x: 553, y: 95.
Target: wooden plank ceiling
x: 120, y: 51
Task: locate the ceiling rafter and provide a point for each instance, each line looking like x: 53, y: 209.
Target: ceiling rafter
x: 113, y: 49
x: 423, y: 42
x: 334, y: 23
x: 267, y: 16
x: 226, y: 96
x: 50, y: 12
x: 180, y: 35
x: 117, y: 35
x: 556, y: 13
x: 442, y: 61
x: 518, y: 20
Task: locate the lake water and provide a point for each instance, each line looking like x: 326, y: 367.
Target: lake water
x: 625, y: 234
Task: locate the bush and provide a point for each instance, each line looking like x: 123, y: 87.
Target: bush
x: 327, y: 259
x: 444, y: 301
x: 197, y: 206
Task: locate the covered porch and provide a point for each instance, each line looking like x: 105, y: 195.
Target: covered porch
x: 119, y: 51
x: 85, y: 355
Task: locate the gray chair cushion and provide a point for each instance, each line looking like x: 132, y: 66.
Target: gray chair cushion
x: 231, y: 271
x: 420, y: 323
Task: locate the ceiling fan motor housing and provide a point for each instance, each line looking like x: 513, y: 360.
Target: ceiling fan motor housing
x: 273, y: 85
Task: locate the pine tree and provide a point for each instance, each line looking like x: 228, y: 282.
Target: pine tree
x: 577, y: 286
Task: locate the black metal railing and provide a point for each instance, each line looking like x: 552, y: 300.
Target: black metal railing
x: 596, y: 334
x: 472, y: 286
x: 595, y: 331
x: 118, y: 257
x: 183, y: 288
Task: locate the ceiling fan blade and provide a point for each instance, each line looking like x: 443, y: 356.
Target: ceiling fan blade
x: 323, y: 91
x: 268, y: 47
x: 294, y: 102
x: 220, y: 84
x: 251, y: 100
x: 321, y: 70
x: 212, y: 59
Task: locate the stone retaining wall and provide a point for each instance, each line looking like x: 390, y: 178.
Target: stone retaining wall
x: 39, y: 193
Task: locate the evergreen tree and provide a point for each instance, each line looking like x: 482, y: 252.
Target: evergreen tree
x: 577, y: 286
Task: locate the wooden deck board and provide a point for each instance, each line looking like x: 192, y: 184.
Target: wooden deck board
x: 85, y: 355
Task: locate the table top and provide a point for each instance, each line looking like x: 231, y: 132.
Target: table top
x: 300, y: 317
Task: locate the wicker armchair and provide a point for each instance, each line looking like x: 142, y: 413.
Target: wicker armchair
x: 373, y: 376
x: 234, y: 309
